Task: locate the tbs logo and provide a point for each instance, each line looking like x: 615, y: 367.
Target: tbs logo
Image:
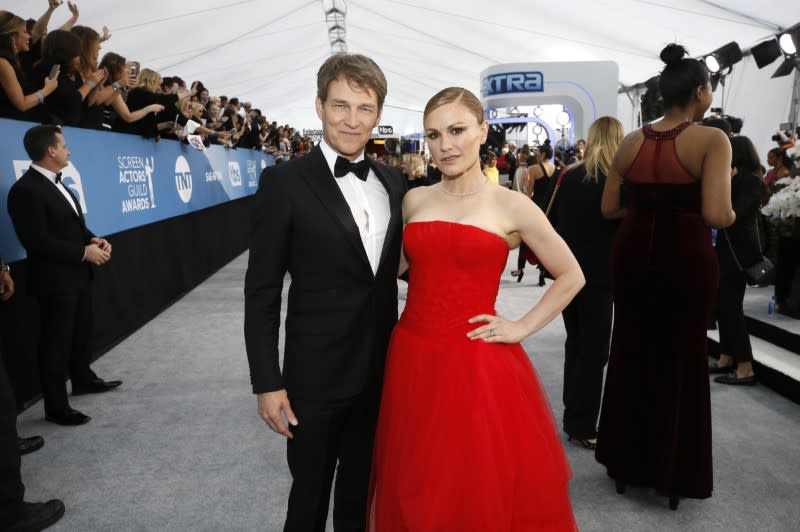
x: 235, y: 173
x: 511, y: 82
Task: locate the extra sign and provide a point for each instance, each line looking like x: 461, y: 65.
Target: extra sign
x: 511, y: 82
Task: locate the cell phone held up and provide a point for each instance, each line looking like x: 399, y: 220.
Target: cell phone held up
x: 54, y: 71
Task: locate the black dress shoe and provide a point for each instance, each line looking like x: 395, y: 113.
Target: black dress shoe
x: 584, y: 442
x: 733, y: 379
x: 94, y: 386
x: 69, y: 418
x: 28, y: 445
x: 715, y: 368
x: 36, y: 516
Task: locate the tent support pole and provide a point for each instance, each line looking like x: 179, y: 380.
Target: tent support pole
x: 794, y: 108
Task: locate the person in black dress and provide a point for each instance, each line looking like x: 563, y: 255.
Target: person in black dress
x: 65, y: 105
x: 738, y: 246
x: 655, y: 420
x: 148, y: 93
x: 14, y: 102
x: 587, y: 318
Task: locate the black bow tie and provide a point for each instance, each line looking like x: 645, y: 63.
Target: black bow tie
x: 344, y: 167
x: 58, y: 178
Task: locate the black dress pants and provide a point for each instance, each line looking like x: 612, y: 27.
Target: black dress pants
x: 334, y: 436
x: 734, y: 339
x: 587, y: 320
x: 521, y: 260
x: 64, y: 348
x: 12, y: 490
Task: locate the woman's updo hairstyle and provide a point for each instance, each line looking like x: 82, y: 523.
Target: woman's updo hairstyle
x: 546, y: 149
x: 681, y: 76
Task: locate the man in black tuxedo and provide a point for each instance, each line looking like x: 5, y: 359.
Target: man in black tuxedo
x: 332, y: 219
x: 15, y: 513
x: 49, y: 223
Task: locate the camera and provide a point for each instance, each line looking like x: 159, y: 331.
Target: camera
x: 785, y: 139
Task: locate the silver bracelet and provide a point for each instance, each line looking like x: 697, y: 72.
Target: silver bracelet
x: 40, y: 95
x: 92, y: 84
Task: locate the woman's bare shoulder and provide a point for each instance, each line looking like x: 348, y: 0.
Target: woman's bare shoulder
x: 632, y: 139
x: 506, y: 198
x: 416, y: 197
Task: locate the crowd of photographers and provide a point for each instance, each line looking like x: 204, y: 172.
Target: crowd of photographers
x: 59, y: 77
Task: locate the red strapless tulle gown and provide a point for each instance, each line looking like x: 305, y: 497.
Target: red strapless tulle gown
x: 466, y: 439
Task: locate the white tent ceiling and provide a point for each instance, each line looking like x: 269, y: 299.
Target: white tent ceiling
x: 268, y: 52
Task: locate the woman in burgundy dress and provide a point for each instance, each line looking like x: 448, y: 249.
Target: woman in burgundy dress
x: 466, y: 438
x: 655, y: 422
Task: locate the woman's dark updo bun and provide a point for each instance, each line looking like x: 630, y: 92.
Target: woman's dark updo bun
x: 673, y: 53
x: 680, y: 77
x: 546, y: 149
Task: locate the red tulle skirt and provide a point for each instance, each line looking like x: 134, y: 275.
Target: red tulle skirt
x: 466, y: 439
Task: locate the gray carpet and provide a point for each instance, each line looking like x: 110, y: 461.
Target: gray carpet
x: 180, y: 446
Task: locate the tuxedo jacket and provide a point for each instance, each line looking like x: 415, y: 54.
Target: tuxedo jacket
x: 339, y: 315
x: 52, y: 233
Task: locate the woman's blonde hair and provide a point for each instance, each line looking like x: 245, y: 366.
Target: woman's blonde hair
x: 149, y: 80
x: 183, y: 97
x: 605, y: 136
x: 10, y: 24
x: 452, y: 95
x: 197, y: 108
x: 415, y: 164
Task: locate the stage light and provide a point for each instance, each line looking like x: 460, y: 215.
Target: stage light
x: 787, y: 67
x: 723, y: 58
x: 712, y: 64
x: 789, y: 42
x: 766, y: 52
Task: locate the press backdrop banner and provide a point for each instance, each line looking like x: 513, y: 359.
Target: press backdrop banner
x: 125, y: 181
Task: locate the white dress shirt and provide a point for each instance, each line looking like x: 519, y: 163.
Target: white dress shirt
x: 60, y: 186
x: 369, y: 203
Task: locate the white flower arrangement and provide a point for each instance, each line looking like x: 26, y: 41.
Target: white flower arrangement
x: 794, y: 154
x: 785, y: 203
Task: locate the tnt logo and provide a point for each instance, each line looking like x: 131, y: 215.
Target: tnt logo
x: 235, y: 173
x: 70, y: 177
x: 512, y: 82
x: 183, y: 179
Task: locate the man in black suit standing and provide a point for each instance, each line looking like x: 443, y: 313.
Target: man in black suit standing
x: 332, y: 219
x: 15, y: 513
x: 61, y: 250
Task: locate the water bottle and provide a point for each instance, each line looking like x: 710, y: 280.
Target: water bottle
x: 771, y: 306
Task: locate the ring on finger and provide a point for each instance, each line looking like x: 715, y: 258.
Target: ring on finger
x: 491, y: 333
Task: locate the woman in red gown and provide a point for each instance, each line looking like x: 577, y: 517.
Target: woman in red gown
x: 466, y: 438
x: 655, y: 421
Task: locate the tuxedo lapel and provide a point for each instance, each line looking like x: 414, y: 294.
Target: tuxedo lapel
x: 321, y: 182
x: 77, y: 211
x: 51, y: 188
x: 395, y: 198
